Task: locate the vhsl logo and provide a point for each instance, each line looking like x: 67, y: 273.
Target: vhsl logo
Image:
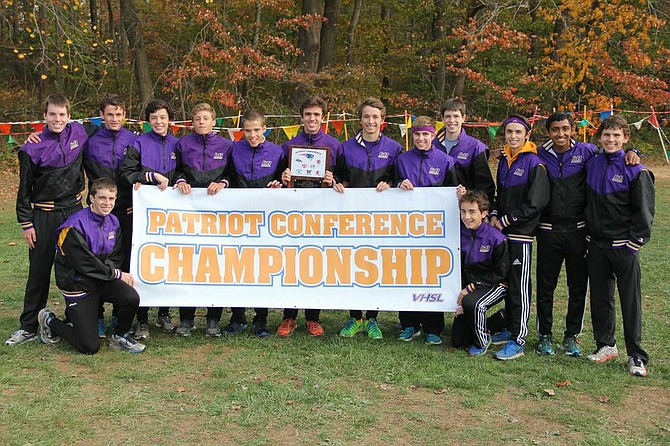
x: 427, y: 297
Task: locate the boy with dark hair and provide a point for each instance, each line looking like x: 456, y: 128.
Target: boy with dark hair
x: 367, y: 160
x: 469, y: 154
x: 562, y: 231
x: 423, y: 166
x: 523, y: 193
x: 313, y: 111
x: 203, y: 160
x: 484, y: 270
x: 257, y: 163
x: 619, y: 215
x: 50, y: 183
x: 87, y: 271
x: 151, y: 159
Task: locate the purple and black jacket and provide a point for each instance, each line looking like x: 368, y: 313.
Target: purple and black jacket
x: 426, y: 168
x: 485, y: 260
x: 256, y: 167
x: 203, y: 159
x: 365, y: 164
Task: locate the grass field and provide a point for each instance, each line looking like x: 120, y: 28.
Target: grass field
x: 331, y: 391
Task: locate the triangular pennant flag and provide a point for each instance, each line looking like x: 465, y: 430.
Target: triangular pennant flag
x: 403, y: 129
x: 638, y: 124
x: 5, y: 129
x: 267, y: 133
x: 219, y: 122
x: 188, y: 123
x: 10, y: 140
x: 605, y: 114
x: 146, y: 127
x: 175, y: 129
x: 493, y: 129
x: 96, y: 121
x: 337, y: 125
x: 383, y: 127
x: 291, y: 130
x: 413, y: 118
x: 583, y: 123
x: 653, y: 120
x: 238, y: 135
x: 439, y: 125
x: 38, y: 126
x: 324, y: 127
x: 231, y: 133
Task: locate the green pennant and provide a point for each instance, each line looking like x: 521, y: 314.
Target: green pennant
x: 219, y: 122
x: 493, y: 129
x: 146, y: 127
x: 10, y: 140
x: 583, y: 123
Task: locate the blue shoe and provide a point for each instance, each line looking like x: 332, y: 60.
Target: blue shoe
x: 433, y: 339
x: 101, y: 329
x: 545, y: 345
x: 408, y: 334
x: 571, y: 347
x: 501, y: 337
x: 261, y: 329
x: 511, y: 350
x: 478, y: 351
x: 233, y: 328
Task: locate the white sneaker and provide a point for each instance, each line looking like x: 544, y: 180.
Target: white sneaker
x: 604, y: 354
x: 636, y: 366
x: 20, y: 336
x: 44, y: 331
x: 125, y: 343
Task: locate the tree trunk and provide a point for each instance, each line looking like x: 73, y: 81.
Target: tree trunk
x: 474, y: 7
x: 309, y: 40
x: 329, y: 34
x: 351, y: 37
x: 439, y: 33
x: 133, y: 28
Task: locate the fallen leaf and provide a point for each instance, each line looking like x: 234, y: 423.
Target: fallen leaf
x: 382, y: 386
x: 412, y: 387
x: 604, y: 399
x: 181, y: 389
x: 451, y: 349
x: 289, y: 402
x: 550, y: 392
x: 513, y: 420
x: 440, y: 392
x: 11, y: 244
x: 563, y: 383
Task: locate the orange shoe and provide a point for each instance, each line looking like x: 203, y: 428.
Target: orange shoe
x: 314, y: 328
x: 287, y: 327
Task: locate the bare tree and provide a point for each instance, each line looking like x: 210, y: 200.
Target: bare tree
x: 331, y: 13
x: 133, y: 28
x: 309, y: 38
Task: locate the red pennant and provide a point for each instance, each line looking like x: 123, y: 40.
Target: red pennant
x: 383, y: 126
x: 653, y: 120
x: 337, y: 125
x: 5, y: 129
x: 324, y: 127
x: 239, y: 135
x: 38, y: 126
x: 175, y: 129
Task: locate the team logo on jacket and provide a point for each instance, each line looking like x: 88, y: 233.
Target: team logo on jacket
x: 266, y: 163
x: 111, y: 235
x: 485, y: 248
x: 74, y: 144
x: 218, y: 155
x: 434, y: 171
x: 618, y: 178
x: 173, y: 156
x: 519, y: 172
x: 383, y: 155
x: 463, y: 155
x: 576, y: 159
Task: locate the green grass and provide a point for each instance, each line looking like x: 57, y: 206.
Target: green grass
x: 330, y: 391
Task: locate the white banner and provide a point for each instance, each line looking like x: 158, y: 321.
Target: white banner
x: 297, y: 248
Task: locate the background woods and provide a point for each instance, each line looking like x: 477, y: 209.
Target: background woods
x: 500, y: 56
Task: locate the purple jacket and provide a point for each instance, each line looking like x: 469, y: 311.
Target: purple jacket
x: 426, y: 168
x: 50, y: 172
x: 88, y: 251
x: 620, y: 202
x: 484, y: 257
x: 365, y: 164
x: 202, y: 160
x: 472, y: 161
x: 256, y: 167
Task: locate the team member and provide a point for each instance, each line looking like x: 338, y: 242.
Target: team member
x: 469, y: 154
x: 257, y: 163
x: 203, y: 160
x: 423, y: 166
x: 87, y: 271
x: 367, y: 161
x: 484, y: 270
x: 562, y: 231
x: 523, y: 193
x: 619, y: 214
x: 312, y: 113
x: 50, y: 183
x: 151, y: 159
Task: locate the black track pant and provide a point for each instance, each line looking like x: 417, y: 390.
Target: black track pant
x: 188, y: 313
x: 432, y: 322
x: 517, y: 302
x: 239, y: 317
x: 606, y: 265
x: 310, y: 314
x: 83, y: 314
x: 41, y: 261
x: 358, y: 314
x: 552, y: 249
x: 472, y: 327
